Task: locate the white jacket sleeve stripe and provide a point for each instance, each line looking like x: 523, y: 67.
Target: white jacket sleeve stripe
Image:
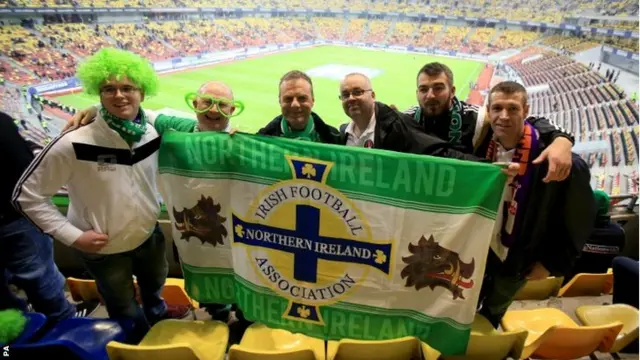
x: 48, y: 172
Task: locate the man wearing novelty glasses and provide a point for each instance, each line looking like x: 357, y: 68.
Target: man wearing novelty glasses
x: 213, y: 104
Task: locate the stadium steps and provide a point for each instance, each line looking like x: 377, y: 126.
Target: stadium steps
x: 161, y: 41
x: 416, y: 31
x: 345, y: 26
x: 440, y: 35
x: 365, y: 33
x: 390, y: 30
x: 17, y: 65
x: 316, y: 30
x: 465, y: 39
x: 228, y: 34
x: 495, y: 36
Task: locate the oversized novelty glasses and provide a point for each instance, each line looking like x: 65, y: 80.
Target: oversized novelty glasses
x: 207, y: 102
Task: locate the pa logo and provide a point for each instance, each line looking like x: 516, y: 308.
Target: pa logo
x: 308, y: 242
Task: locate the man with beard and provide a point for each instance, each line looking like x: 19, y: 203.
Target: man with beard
x: 544, y: 224
x: 297, y: 120
x: 376, y: 125
x: 442, y: 114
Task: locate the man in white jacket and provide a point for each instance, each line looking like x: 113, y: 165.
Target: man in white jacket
x: 109, y: 167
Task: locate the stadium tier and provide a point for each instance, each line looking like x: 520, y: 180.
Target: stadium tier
x: 528, y: 10
x: 579, y: 98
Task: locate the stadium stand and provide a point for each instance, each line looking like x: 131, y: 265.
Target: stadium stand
x: 30, y: 51
x: 566, y: 91
x: 403, y: 33
x: 79, y: 39
x: 134, y: 37
x: 428, y: 35
x: 329, y: 28
x: 355, y: 30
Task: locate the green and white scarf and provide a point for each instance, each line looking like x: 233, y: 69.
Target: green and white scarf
x: 130, y: 131
x: 308, y: 134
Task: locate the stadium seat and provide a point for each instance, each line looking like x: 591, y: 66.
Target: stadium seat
x: 553, y: 335
x: 587, y: 285
x: 176, y: 339
x: 35, y: 322
x: 540, y: 289
x: 486, y: 342
x: 405, y: 348
x: 73, y: 338
x: 173, y: 291
x: 83, y: 289
x: 262, y: 343
x: 596, y: 315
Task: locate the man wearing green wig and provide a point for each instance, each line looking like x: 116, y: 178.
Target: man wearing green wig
x: 109, y: 168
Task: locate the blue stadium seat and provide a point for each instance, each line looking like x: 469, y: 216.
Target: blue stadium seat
x: 74, y: 338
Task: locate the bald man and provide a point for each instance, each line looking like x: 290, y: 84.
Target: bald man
x: 376, y: 125
x: 215, y: 96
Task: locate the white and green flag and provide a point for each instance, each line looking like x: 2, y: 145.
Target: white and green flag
x: 332, y: 241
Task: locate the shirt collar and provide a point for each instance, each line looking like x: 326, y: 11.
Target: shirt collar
x: 350, y: 130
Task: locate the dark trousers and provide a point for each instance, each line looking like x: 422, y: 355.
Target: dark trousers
x: 26, y: 258
x: 625, y: 288
x: 498, y: 290
x: 114, y: 278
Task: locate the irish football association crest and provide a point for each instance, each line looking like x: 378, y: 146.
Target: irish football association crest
x: 308, y: 242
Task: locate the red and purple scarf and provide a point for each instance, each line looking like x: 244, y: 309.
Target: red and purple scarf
x: 521, y: 185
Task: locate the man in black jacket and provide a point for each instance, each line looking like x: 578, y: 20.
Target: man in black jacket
x: 544, y: 225
x: 376, y: 125
x: 26, y: 254
x: 440, y: 113
x: 297, y: 120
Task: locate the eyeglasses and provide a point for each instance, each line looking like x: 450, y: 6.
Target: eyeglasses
x: 112, y: 90
x: 355, y: 92
x: 207, y: 102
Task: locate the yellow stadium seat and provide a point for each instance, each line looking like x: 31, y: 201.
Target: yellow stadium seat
x: 180, y: 283
x: 486, y: 342
x: 173, y: 291
x: 405, y: 348
x: 83, y: 289
x: 540, y: 289
x: 595, y: 315
x: 262, y: 343
x: 176, y: 339
x: 586, y: 285
x: 553, y: 335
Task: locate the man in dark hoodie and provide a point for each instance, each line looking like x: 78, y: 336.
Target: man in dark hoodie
x: 441, y: 114
x: 545, y: 224
x: 607, y: 240
x: 297, y: 120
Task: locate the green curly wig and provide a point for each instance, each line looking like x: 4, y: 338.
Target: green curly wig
x: 110, y: 62
x: 12, y: 323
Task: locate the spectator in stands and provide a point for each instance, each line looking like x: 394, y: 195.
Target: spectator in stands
x: 376, y: 125
x: 26, y: 254
x: 442, y: 114
x: 625, y: 281
x: 114, y: 229
x: 297, y: 120
x: 545, y: 225
x: 625, y: 288
x: 606, y: 241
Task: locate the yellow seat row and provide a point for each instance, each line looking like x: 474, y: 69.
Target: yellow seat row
x: 538, y: 333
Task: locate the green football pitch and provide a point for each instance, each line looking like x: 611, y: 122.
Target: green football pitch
x: 255, y: 81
